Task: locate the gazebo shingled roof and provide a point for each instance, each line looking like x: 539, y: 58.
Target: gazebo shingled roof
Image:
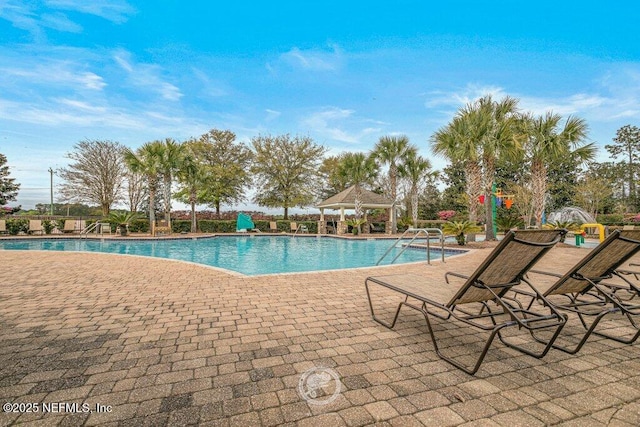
x: 347, y: 198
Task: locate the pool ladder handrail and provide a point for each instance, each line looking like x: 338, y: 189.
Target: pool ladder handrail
x: 302, y: 228
x: 88, y: 229
x: 417, y: 232
x: 94, y: 227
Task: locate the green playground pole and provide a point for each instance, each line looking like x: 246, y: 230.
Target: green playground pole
x: 494, y: 210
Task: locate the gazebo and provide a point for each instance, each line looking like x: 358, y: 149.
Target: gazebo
x: 346, y: 200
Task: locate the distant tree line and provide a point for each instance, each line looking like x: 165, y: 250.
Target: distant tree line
x: 542, y: 162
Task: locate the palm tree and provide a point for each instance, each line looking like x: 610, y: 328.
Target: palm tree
x: 458, y: 142
x: 459, y: 229
x: 172, y: 153
x: 480, y: 134
x: 190, y: 175
x: 414, y: 168
x: 499, y: 139
x: 358, y: 169
x: 147, y: 160
x: 392, y: 150
x: 546, y: 144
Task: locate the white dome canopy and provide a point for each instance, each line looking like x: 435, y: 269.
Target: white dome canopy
x: 571, y: 214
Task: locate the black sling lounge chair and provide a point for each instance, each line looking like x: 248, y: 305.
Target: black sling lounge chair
x: 584, y: 289
x: 633, y: 290
x: 479, y: 303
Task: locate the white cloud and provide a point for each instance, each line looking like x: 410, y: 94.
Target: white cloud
x: 147, y: 76
x: 272, y: 115
x: 83, y: 106
x: 64, y: 112
x: 60, y: 73
x: 462, y: 97
x: 117, y: 11
x: 169, y: 91
x: 122, y: 58
x: 331, y: 123
x: 92, y: 81
x: 22, y: 16
x: 60, y: 22
x: 603, y: 104
x: 36, y: 16
x: 311, y: 60
x: 208, y: 87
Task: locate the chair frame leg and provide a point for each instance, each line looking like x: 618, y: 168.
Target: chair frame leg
x: 425, y: 312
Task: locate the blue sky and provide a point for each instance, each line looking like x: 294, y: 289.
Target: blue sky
x: 344, y: 73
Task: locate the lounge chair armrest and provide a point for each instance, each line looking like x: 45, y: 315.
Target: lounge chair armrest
x: 615, y: 286
x: 627, y: 272
x: 546, y: 273
x: 451, y: 273
x: 523, y: 292
x: 634, y: 264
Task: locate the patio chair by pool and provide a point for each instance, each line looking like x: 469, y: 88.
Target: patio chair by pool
x: 373, y: 228
x: 244, y: 224
x: 70, y: 226
x: 3, y: 226
x: 162, y: 227
x: 480, y: 302
x: 35, y: 226
x: 273, y: 226
x: 584, y: 289
x: 294, y: 227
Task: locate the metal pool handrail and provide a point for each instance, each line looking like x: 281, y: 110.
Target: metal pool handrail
x: 88, y: 229
x: 417, y: 232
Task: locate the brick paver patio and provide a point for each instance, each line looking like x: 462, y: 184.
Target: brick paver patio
x: 171, y: 343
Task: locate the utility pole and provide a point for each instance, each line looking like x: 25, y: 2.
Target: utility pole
x: 51, y: 173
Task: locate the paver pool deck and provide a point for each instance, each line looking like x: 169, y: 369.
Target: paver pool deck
x: 172, y: 343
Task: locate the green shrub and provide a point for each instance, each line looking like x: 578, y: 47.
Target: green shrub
x: 506, y: 223
x: 48, y: 226
x: 180, y: 226
x: 59, y: 223
x: 139, y: 226
x: 404, y: 223
x: 217, y: 226
x: 611, y: 219
x: 355, y: 224
x: 15, y: 226
x: 459, y: 229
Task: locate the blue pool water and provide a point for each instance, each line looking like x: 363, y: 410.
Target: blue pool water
x: 250, y: 255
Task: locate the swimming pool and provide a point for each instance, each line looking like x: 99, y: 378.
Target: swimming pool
x: 250, y: 255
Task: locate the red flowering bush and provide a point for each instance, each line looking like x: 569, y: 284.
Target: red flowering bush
x: 446, y: 215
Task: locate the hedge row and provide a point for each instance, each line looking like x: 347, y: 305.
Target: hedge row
x: 229, y: 226
x: 16, y: 226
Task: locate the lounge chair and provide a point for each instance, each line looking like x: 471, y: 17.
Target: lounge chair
x: 3, y: 226
x: 375, y: 229
x: 162, y: 227
x: 273, y: 226
x: 70, y: 226
x: 294, y: 227
x: 35, y: 226
x: 480, y: 302
x: 585, y: 290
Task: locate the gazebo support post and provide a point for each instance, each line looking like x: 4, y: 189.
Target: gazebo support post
x: 322, y: 225
x: 342, y: 225
x: 388, y: 227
